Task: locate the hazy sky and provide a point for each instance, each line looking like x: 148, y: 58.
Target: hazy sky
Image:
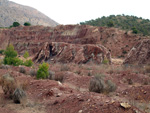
x: 75, y: 11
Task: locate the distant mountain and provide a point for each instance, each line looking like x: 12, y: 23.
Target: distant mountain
x: 11, y: 12
x: 125, y: 22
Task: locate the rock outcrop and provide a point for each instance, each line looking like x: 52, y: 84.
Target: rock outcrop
x: 139, y: 54
x: 65, y: 53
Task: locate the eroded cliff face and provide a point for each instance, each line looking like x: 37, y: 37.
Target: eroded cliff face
x: 33, y: 38
x: 77, y: 53
x: 139, y: 54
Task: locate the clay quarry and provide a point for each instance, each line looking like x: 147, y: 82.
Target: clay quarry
x: 91, y: 70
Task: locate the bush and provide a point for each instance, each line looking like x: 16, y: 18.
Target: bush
x: 43, y: 71
x: 22, y: 70
x: 28, y: 63
x: 26, y: 54
x: 27, y: 24
x: 11, y: 56
x: 13, y: 61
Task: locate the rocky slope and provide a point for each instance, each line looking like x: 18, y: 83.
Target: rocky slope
x: 11, y: 12
x: 139, y: 54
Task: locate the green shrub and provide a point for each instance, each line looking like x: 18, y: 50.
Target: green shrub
x: 43, y: 71
x: 13, y: 61
x: 26, y: 54
x: 28, y: 63
x: 11, y: 56
x: 10, y: 52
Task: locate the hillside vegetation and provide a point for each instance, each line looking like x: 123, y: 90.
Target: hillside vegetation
x: 138, y: 25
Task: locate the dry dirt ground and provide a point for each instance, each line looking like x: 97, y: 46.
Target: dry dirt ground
x: 73, y: 96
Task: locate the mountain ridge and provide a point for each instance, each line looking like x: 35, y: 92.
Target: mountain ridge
x: 11, y: 12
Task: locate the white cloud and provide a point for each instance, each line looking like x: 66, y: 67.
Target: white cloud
x: 75, y: 11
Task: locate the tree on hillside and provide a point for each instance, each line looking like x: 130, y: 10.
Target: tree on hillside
x: 42, y: 72
x: 110, y: 24
x: 10, y: 52
x: 26, y: 54
x: 134, y: 30
x: 27, y: 24
x: 11, y: 56
x: 16, y: 24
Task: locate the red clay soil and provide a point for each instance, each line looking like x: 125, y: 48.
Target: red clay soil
x: 61, y: 98
x: 140, y: 93
x: 4, y: 110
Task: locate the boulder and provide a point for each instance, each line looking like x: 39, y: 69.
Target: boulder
x: 125, y: 105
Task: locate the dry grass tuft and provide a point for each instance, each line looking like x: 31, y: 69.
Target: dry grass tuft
x: 22, y: 70
x: 8, y: 85
x: 98, y: 85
